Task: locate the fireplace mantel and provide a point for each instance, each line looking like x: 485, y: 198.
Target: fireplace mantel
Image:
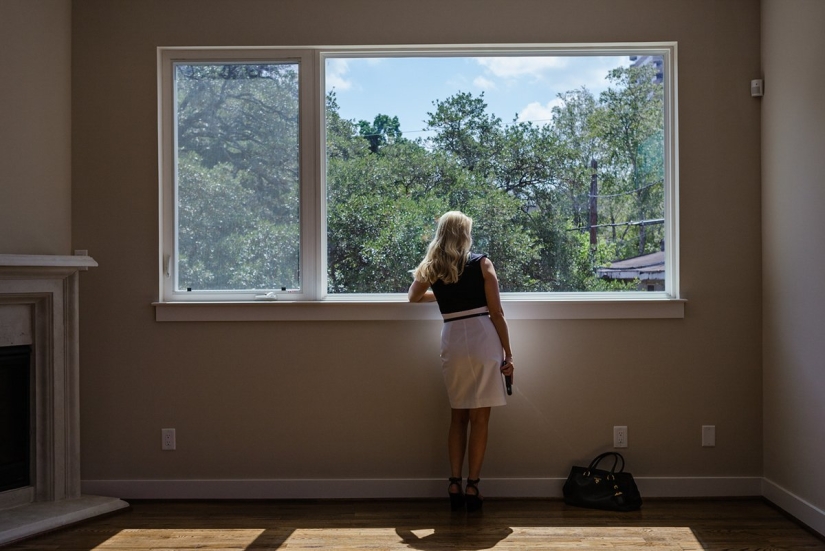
x: 46, y: 261
x: 39, y: 306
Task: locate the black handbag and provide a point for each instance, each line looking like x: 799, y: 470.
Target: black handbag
x: 599, y: 489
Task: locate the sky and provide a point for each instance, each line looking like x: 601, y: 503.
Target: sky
x: 406, y: 87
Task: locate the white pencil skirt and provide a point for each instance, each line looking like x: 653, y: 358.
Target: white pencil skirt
x: 471, y: 356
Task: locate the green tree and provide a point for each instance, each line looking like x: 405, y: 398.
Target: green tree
x: 527, y: 186
x: 237, y: 176
x: 382, y: 131
x: 630, y: 121
x: 465, y: 130
x: 382, y: 206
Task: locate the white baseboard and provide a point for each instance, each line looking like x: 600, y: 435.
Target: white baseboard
x: 730, y: 486
x: 807, y: 513
x: 400, y: 488
x: 649, y: 487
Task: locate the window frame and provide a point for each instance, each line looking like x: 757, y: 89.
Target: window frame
x: 313, y: 302
x: 168, y: 58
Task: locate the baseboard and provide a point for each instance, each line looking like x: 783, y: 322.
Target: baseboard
x: 807, y: 513
x: 401, y: 488
x: 650, y: 487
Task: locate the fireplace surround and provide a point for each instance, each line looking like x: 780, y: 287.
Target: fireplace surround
x: 39, y: 307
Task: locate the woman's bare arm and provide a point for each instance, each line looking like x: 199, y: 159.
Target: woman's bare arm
x: 497, y: 312
x: 420, y: 292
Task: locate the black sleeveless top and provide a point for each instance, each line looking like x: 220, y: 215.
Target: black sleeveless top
x: 466, y: 293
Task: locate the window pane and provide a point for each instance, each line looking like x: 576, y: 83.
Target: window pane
x: 558, y: 159
x: 237, y: 178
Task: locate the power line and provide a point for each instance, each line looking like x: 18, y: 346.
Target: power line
x: 650, y: 222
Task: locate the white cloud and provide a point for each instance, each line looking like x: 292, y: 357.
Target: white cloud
x: 560, y: 73
x: 594, y: 77
x: 538, y: 113
x: 510, y: 67
x: 336, y: 74
x: 484, y: 83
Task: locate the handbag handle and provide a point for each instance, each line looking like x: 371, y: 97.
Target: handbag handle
x: 616, y: 458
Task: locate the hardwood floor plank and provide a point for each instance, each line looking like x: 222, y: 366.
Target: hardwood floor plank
x: 428, y: 525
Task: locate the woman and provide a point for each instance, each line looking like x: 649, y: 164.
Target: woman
x: 474, y: 341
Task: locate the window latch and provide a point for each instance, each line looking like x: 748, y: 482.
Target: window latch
x: 269, y: 296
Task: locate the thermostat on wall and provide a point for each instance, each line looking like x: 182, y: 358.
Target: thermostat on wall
x: 757, y: 88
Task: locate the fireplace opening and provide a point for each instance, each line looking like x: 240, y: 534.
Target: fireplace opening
x: 15, y: 417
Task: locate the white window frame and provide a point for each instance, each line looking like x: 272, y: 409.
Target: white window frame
x: 313, y: 302
x: 167, y: 159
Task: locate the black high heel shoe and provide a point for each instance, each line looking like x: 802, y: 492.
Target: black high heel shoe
x: 474, y: 501
x: 456, y: 498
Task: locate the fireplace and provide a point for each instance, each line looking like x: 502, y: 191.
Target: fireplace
x: 15, y: 417
x: 39, y: 319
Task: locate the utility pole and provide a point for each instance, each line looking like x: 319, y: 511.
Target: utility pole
x: 594, y: 214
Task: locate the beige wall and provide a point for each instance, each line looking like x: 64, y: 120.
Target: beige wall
x: 35, y: 127
x: 793, y: 194
x: 365, y: 399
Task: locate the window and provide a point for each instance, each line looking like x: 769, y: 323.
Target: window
x: 236, y: 150
x: 312, y: 174
x: 234, y: 167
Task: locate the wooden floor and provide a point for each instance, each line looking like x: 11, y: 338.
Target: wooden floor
x: 750, y: 524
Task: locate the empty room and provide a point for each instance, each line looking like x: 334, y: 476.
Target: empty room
x: 217, y: 324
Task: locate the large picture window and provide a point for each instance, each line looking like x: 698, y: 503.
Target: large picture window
x: 316, y: 175
x: 558, y: 158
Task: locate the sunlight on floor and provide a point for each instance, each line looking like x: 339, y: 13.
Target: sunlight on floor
x: 181, y: 539
x: 418, y: 537
x: 663, y: 538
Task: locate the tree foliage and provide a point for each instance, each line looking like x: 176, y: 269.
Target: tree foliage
x: 237, y: 176
x: 527, y: 186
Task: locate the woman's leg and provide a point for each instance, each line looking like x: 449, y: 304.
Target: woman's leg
x: 457, y: 440
x: 479, y: 418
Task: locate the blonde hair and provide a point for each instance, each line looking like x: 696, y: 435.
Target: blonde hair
x: 447, y: 253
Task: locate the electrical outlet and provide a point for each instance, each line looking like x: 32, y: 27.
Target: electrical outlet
x: 619, y: 437
x: 708, y: 436
x: 167, y: 439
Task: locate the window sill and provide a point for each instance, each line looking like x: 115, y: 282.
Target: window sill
x: 396, y: 308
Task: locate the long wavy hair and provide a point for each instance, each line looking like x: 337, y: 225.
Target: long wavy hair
x: 447, y: 253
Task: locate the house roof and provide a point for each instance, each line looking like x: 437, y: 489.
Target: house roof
x: 644, y: 267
